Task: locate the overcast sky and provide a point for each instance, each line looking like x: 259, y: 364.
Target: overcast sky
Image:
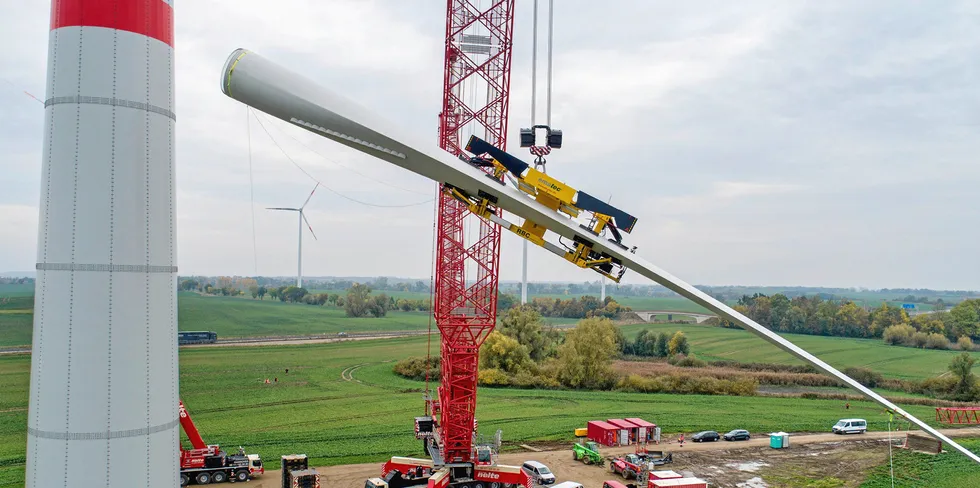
x: 813, y: 143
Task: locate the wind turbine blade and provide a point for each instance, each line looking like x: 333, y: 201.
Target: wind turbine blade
x: 308, y: 226
x: 272, y: 89
x: 311, y: 196
x: 282, y: 208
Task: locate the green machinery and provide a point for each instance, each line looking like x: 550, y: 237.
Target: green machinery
x: 588, y: 453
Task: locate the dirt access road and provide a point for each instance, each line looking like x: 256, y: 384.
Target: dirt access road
x: 745, y: 458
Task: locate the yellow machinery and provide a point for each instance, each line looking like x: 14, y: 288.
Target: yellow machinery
x: 555, y: 195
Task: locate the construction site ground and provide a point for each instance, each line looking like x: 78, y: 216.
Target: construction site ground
x: 744, y: 464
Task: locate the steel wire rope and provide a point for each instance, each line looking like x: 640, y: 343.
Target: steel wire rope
x: 331, y: 161
x: 310, y: 176
x: 432, y: 288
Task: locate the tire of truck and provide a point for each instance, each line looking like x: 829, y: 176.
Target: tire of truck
x: 587, y: 459
x: 575, y: 455
x: 202, y: 478
x: 629, y: 474
x: 241, y: 475
x: 219, y: 477
x: 184, y: 479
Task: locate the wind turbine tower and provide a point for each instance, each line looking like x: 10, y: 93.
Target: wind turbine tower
x: 302, y: 219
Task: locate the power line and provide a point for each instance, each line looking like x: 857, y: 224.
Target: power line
x: 251, y: 191
x: 331, y: 161
x: 310, y: 176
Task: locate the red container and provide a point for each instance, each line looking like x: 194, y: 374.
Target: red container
x: 678, y: 483
x: 602, y: 432
x: 648, y: 428
x: 664, y: 475
x: 628, y: 426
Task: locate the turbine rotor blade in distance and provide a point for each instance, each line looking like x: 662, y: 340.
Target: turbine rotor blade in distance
x: 311, y: 195
x: 282, y: 208
x: 308, y: 226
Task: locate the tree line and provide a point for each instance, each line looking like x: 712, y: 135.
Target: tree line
x: 522, y: 353
x: 585, y: 306
x: 844, y: 318
x: 356, y: 302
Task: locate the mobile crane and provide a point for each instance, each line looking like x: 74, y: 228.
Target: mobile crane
x: 206, y: 464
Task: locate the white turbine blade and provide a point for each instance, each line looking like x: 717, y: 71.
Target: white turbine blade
x: 309, y: 197
x: 281, y: 93
x: 308, y: 226
x: 282, y: 208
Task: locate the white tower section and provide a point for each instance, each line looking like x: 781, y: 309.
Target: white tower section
x: 103, y: 404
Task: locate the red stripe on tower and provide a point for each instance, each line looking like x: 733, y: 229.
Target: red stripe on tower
x: 151, y: 18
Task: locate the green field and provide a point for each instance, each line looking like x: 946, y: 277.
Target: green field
x: 917, y: 470
x: 715, y: 343
x: 234, y: 317
x: 245, y: 317
x: 336, y: 421
x: 15, y: 290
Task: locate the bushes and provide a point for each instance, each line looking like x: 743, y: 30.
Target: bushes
x: 937, y: 341
x: 964, y: 343
x: 898, y: 335
x: 906, y: 335
x: 414, y: 368
x: 687, y: 361
x: 493, y: 377
x: 777, y: 368
x: 920, y: 339
x: 688, y: 384
x: 865, y: 376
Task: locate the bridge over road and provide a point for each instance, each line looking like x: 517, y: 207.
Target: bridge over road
x: 648, y: 315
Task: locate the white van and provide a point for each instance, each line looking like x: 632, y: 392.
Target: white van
x: 850, y: 426
x: 568, y: 484
x: 539, y: 472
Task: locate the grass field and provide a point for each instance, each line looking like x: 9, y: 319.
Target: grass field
x: 241, y: 317
x: 917, y: 470
x: 336, y: 421
x: 14, y: 290
x: 715, y: 343
x: 244, y: 317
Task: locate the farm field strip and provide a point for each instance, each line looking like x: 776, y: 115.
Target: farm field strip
x: 715, y: 343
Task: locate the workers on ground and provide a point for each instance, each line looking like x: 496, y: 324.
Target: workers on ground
x: 681, y: 439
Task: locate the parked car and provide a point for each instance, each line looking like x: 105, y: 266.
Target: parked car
x: 737, y: 435
x: 612, y: 484
x: 706, y: 436
x: 568, y: 484
x: 850, y: 426
x: 539, y: 472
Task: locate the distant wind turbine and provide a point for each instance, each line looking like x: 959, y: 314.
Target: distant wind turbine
x: 302, y: 219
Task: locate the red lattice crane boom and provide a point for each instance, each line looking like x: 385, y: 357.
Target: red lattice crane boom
x: 476, y: 96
